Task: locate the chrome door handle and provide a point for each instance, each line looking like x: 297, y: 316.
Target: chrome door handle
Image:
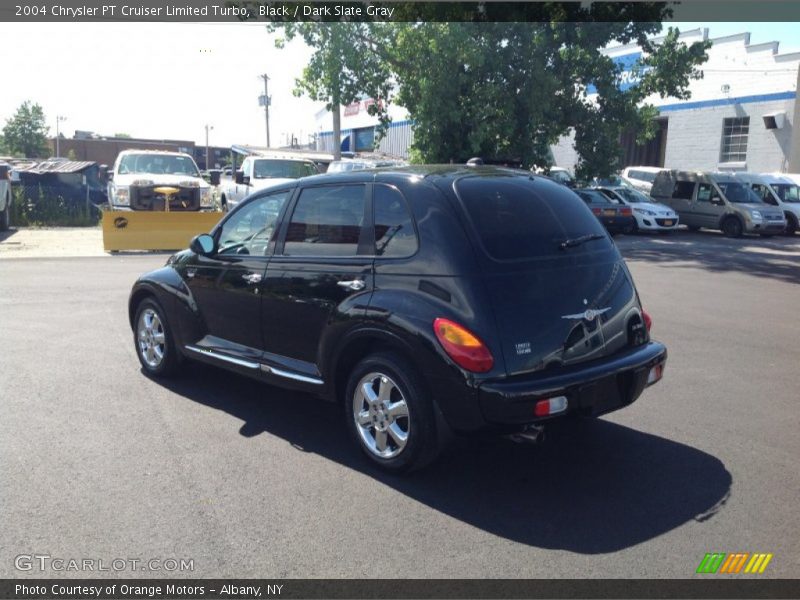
x: 191, y: 272
x: 252, y: 277
x: 356, y: 284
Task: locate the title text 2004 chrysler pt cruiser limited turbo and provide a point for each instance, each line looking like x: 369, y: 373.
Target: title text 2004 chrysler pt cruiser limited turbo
x: 426, y: 300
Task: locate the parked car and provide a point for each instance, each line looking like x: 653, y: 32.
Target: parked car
x: 425, y: 300
x: 641, y: 178
x: 141, y: 180
x: 648, y: 214
x: 717, y: 201
x: 779, y: 191
x: 357, y: 164
x: 612, y: 213
x: 5, y: 196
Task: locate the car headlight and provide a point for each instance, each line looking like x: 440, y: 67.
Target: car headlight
x: 644, y: 211
x: 206, y: 199
x: 756, y: 215
x: 122, y: 195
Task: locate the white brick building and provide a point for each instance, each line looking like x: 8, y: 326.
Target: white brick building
x: 741, y: 115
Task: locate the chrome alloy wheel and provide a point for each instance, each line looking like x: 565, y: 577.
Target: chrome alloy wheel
x: 152, y: 341
x: 381, y: 415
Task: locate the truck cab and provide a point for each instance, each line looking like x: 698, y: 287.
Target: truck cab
x: 258, y: 172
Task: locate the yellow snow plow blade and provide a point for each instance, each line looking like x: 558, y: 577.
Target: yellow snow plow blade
x: 154, y: 230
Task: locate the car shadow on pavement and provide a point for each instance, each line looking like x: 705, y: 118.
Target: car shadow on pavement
x: 592, y: 487
x: 775, y: 258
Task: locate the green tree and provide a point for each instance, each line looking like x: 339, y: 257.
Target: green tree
x: 338, y: 73
x: 26, y: 133
x: 507, y: 86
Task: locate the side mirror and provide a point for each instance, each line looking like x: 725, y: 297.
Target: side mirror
x: 241, y: 179
x: 110, y: 175
x: 214, y: 177
x: 203, y: 244
x: 716, y: 200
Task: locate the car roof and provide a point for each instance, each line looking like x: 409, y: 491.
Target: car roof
x: 646, y: 169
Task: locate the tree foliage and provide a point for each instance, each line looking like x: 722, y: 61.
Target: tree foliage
x: 26, y: 132
x: 506, y: 90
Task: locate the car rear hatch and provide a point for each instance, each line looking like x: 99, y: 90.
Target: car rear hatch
x: 559, y: 289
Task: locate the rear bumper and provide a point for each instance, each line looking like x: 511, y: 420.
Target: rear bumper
x: 591, y: 389
x: 617, y: 224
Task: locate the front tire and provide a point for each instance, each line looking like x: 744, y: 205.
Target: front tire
x: 732, y: 227
x: 791, y: 225
x: 5, y: 216
x: 154, y: 341
x: 389, y: 414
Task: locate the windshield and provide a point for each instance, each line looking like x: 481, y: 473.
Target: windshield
x: 787, y: 192
x: 633, y: 196
x: 561, y: 176
x: 738, y: 193
x: 159, y: 164
x: 283, y: 169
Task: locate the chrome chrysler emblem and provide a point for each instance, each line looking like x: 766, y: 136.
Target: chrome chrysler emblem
x: 589, y: 315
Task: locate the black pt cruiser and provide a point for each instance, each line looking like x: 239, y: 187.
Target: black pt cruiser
x: 425, y: 300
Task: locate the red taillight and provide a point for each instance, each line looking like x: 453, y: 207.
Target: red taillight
x: 648, y: 322
x: 463, y: 346
x: 596, y: 211
x: 626, y: 212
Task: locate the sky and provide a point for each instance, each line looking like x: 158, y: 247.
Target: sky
x: 170, y: 80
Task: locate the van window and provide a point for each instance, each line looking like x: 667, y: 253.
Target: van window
x: 683, y: 190
x: 787, y: 192
x: 762, y: 191
x: 738, y: 192
x: 519, y: 218
x: 704, y: 192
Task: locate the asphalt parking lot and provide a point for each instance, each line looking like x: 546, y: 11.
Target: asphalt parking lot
x: 98, y: 461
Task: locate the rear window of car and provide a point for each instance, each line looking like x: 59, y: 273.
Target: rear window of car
x: 594, y: 197
x: 517, y: 218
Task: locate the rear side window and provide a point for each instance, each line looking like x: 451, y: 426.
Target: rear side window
x: 642, y: 176
x: 517, y: 218
x: 394, y: 230
x: 326, y: 222
x: 683, y: 190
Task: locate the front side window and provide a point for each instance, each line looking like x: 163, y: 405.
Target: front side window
x: 326, y: 221
x: 394, y: 229
x: 250, y: 229
x: 704, y: 191
x: 734, y: 139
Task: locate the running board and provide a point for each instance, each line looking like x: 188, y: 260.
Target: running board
x: 255, y: 366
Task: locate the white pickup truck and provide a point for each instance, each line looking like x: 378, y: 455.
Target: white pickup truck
x: 5, y: 196
x: 139, y: 177
x: 260, y: 172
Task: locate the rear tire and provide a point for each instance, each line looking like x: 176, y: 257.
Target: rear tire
x: 389, y: 414
x: 154, y: 341
x: 732, y: 227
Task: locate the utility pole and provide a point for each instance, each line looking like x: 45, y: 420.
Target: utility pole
x: 265, y: 77
x: 59, y: 118
x: 208, y: 159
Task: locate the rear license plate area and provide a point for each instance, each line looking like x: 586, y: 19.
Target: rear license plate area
x: 605, y: 395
